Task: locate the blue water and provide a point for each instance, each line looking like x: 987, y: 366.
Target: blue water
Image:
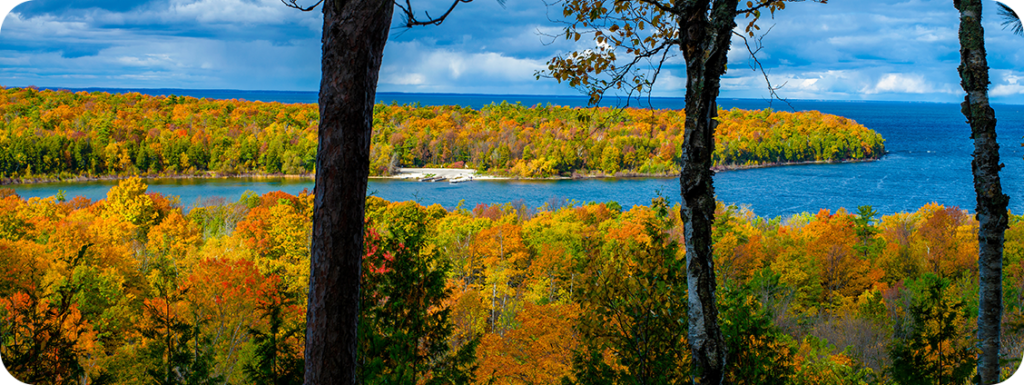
x: 928, y: 161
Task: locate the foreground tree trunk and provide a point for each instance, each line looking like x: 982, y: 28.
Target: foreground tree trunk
x: 705, y: 41
x: 354, y: 35
x: 991, y: 210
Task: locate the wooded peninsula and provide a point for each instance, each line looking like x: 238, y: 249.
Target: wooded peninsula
x: 47, y: 135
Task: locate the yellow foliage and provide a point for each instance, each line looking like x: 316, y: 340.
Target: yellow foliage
x: 129, y: 200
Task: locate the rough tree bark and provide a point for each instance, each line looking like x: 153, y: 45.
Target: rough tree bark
x: 354, y: 35
x: 703, y: 31
x: 705, y: 40
x: 991, y: 209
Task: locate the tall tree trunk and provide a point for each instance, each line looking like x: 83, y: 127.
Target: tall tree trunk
x: 354, y: 35
x: 705, y: 44
x: 991, y: 210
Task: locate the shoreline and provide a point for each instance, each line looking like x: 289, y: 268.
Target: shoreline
x: 415, y: 173
x: 733, y: 167
x: 106, y: 178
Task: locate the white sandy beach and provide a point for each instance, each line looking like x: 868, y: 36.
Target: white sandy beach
x: 450, y: 173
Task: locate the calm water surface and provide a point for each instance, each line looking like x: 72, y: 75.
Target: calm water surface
x: 928, y: 161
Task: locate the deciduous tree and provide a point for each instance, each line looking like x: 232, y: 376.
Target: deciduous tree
x: 354, y: 35
x: 930, y: 349
x: 647, y: 30
x: 632, y: 326
x: 991, y: 209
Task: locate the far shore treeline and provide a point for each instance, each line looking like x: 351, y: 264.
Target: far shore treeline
x: 63, y: 135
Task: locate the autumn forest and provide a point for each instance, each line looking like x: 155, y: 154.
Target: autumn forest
x: 132, y: 289
x: 138, y: 288
x: 62, y: 135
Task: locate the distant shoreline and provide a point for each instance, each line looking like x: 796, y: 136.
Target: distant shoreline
x: 414, y: 173
x: 83, y: 178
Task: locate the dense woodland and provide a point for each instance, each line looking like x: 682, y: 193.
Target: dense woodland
x: 59, y: 134
x: 134, y: 289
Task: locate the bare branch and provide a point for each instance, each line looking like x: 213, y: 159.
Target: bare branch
x: 756, y: 65
x: 292, y: 4
x: 654, y: 79
x: 638, y: 79
x: 410, y: 19
x: 662, y: 7
x: 759, y: 5
x: 765, y: 3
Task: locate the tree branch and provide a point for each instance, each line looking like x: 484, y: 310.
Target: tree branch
x: 1010, y: 19
x: 410, y: 19
x: 756, y: 65
x: 765, y: 3
x: 761, y: 4
x: 660, y: 6
x: 292, y: 4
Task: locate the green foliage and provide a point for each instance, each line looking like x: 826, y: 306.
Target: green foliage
x: 928, y: 349
x: 404, y: 326
x: 757, y: 350
x: 177, y: 345
x: 865, y: 228
x: 820, y: 367
x: 275, y: 361
x: 633, y: 302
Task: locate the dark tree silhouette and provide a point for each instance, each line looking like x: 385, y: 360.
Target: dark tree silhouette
x: 991, y: 210
x: 354, y: 35
x: 1010, y: 19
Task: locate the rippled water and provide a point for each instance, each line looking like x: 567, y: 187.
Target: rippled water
x: 928, y: 161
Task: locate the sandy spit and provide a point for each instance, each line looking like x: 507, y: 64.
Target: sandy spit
x: 450, y: 173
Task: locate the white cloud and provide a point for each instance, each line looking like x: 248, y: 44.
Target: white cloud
x: 47, y: 26
x: 449, y: 70
x: 1007, y: 90
x: 221, y: 11
x: 150, y: 60
x: 868, y: 49
x: 905, y: 83
x: 406, y: 79
x: 1011, y: 84
x: 930, y: 35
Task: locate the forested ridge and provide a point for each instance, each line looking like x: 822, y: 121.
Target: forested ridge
x: 133, y: 289
x: 59, y: 134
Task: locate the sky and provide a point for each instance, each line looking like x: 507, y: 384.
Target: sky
x: 903, y: 50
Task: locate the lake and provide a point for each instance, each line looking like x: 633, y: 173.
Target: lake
x: 928, y: 161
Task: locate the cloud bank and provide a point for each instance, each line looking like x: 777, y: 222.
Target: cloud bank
x: 844, y: 50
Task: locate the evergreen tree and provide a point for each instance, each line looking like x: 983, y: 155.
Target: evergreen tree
x: 181, y: 350
x: 404, y: 326
x: 929, y: 349
x: 757, y: 352
x: 276, y: 361
x: 633, y: 302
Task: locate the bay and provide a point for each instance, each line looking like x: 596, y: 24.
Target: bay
x: 929, y: 154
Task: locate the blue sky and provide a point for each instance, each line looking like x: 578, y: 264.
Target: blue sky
x: 843, y: 50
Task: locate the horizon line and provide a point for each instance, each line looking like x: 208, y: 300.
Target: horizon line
x: 581, y: 96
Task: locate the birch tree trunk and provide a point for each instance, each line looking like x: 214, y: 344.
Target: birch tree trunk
x: 354, y: 35
x: 991, y: 209
x: 705, y: 41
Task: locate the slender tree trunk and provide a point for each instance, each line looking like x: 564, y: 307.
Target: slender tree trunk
x: 705, y: 44
x: 991, y: 210
x: 354, y: 35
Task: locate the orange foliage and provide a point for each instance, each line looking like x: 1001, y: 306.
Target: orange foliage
x: 538, y: 351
